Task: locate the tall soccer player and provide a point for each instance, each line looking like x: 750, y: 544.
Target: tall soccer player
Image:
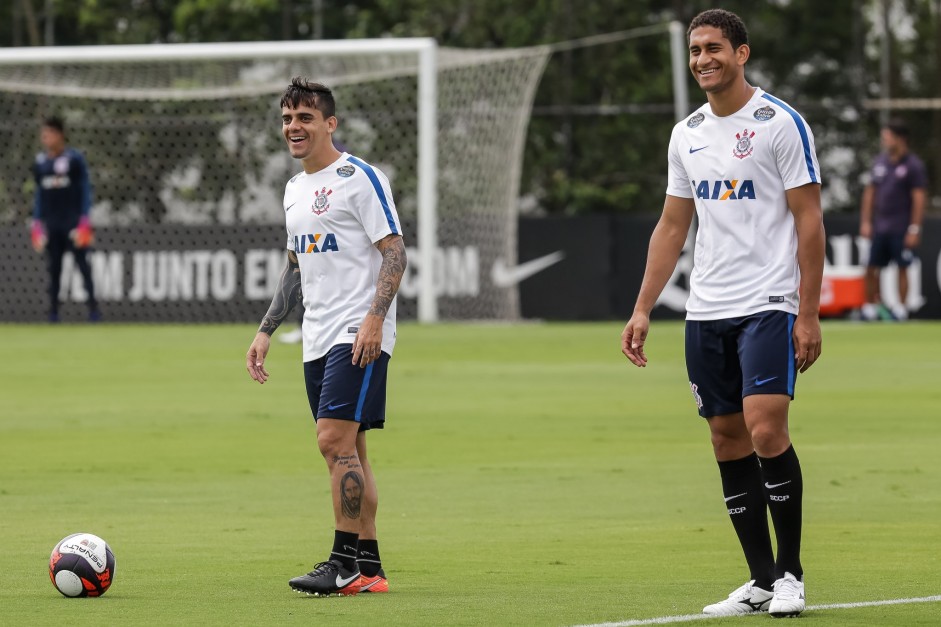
x: 345, y: 259
x: 744, y: 163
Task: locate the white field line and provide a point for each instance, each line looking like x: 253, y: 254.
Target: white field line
x: 688, y: 618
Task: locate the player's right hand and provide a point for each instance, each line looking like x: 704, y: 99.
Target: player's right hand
x: 633, y: 338
x: 255, y: 358
x: 37, y: 235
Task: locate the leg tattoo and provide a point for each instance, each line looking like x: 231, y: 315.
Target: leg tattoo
x: 351, y: 494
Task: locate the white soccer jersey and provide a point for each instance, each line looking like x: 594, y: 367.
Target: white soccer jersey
x: 737, y: 169
x: 334, y: 217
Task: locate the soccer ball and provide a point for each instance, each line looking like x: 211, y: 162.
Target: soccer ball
x: 82, y: 565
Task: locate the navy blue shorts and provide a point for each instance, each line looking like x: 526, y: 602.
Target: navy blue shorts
x: 730, y: 359
x: 336, y: 388
x: 886, y: 247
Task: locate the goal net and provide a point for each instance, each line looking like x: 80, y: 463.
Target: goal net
x: 188, y: 168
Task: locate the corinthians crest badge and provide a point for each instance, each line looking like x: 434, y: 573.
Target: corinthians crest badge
x: 320, y: 201
x: 743, y: 147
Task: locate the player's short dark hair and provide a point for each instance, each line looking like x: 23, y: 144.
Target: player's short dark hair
x: 731, y: 25
x: 898, y: 127
x: 303, y: 92
x: 54, y: 122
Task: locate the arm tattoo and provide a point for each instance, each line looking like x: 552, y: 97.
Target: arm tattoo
x: 351, y: 494
x: 286, y: 296
x: 390, y: 273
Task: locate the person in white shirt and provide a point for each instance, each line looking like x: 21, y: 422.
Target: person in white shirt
x: 745, y: 165
x: 345, y: 260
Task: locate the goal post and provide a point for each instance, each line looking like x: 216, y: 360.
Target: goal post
x: 183, y: 136
x: 428, y: 178
x: 189, y: 169
x: 425, y: 50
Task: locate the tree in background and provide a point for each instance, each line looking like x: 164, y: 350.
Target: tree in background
x: 602, y: 115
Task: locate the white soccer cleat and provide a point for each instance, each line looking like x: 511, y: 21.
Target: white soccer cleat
x: 744, y: 600
x: 788, y: 597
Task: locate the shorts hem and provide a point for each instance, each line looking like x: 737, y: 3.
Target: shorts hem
x: 722, y: 412
x: 767, y: 392
x: 336, y: 416
x: 363, y: 426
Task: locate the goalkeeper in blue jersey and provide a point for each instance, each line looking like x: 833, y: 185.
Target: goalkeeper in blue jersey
x: 60, y: 214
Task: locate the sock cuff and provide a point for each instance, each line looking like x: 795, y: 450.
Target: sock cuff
x: 345, y: 544
x: 740, y: 465
x: 784, y: 460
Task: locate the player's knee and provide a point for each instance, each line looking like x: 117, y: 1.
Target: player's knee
x: 770, y: 440
x: 731, y: 444
x: 332, y: 444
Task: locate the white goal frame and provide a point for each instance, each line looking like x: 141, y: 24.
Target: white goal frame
x: 425, y: 49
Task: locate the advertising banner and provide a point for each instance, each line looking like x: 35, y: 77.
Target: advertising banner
x: 566, y: 268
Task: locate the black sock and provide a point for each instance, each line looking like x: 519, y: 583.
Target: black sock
x: 367, y: 557
x: 784, y: 488
x: 745, y: 500
x: 344, y: 549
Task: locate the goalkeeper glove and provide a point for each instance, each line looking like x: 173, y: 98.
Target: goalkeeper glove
x: 82, y: 235
x: 38, y: 236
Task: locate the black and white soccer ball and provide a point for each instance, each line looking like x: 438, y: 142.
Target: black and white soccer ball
x: 82, y: 565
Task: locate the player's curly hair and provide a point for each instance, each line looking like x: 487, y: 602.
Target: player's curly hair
x: 731, y: 25
x: 303, y: 92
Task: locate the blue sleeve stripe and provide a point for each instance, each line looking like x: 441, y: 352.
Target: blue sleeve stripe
x: 808, y: 157
x: 374, y: 179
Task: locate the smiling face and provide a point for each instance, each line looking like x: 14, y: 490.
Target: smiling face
x: 308, y: 134
x: 713, y: 62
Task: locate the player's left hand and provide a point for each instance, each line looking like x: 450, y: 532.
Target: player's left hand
x: 82, y: 235
x: 808, y: 341
x: 912, y: 240
x: 255, y: 358
x: 368, y: 343
x: 633, y: 339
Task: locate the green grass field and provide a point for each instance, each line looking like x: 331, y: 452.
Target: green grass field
x: 529, y: 475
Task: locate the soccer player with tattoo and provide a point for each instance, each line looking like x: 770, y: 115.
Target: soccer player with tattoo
x: 745, y: 164
x: 345, y: 260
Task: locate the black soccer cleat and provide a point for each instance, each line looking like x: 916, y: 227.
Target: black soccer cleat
x: 327, y: 579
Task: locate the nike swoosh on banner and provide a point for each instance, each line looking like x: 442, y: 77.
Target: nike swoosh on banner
x: 760, y: 382
x: 692, y: 150
x: 777, y: 485
x: 503, y: 276
x: 342, y: 583
x: 729, y: 498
